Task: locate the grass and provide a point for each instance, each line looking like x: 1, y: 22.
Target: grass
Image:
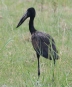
x: 18, y: 62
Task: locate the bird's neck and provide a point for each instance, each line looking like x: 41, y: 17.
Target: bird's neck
x: 31, y: 25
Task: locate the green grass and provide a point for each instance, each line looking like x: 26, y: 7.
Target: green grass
x: 18, y: 62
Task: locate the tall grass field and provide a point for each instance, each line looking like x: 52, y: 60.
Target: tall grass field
x: 18, y: 61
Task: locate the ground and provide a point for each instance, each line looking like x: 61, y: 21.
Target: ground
x: 18, y: 61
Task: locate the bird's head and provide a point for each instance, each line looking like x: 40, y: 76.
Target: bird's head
x: 29, y: 13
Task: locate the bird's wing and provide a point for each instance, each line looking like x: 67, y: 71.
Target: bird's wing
x: 45, y: 38
x: 42, y: 43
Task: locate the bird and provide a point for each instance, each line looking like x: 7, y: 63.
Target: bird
x: 43, y: 43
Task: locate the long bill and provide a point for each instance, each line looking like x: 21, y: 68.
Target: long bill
x: 24, y: 17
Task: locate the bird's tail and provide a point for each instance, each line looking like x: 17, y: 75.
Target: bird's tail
x: 56, y: 56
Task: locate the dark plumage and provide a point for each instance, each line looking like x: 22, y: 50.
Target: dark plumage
x: 43, y: 43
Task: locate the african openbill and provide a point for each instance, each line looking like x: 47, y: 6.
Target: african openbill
x: 43, y: 43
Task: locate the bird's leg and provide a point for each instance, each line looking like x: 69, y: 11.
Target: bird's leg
x: 54, y: 62
x: 38, y: 67
x: 53, y: 70
x: 38, y: 56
